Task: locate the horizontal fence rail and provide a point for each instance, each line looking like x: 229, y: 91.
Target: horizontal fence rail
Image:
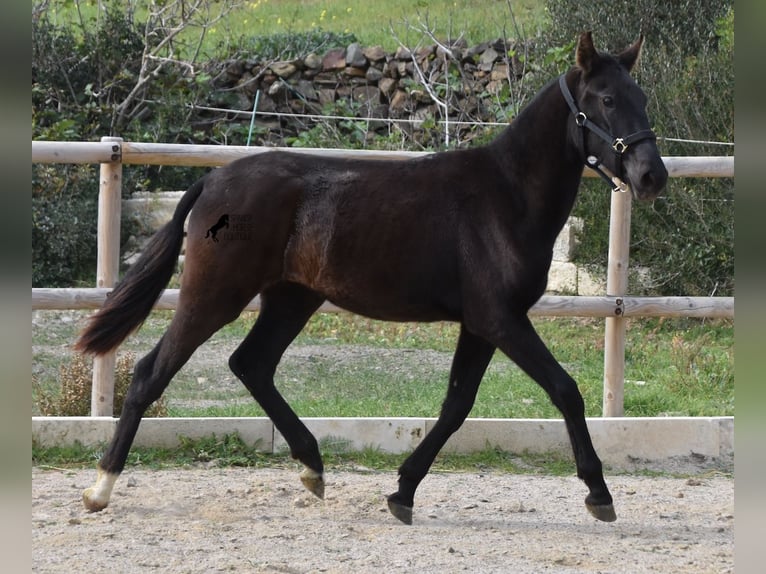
x: 131, y: 153
x: 111, y: 153
x: 547, y: 306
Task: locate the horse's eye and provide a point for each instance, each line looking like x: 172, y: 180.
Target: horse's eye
x: 608, y: 101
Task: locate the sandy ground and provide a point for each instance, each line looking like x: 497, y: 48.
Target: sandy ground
x: 261, y: 520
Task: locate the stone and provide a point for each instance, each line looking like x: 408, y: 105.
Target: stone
x: 499, y: 72
x: 487, y: 59
x: 566, y: 242
x: 313, y: 61
x: 562, y: 278
x: 373, y: 75
x: 306, y: 89
x: 387, y: 85
x: 403, y: 53
x: 355, y: 56
x: 354, y: 72
x: 368, y: 96
x: 283, y: 69
x: 399, y: 101
x: 374, y: 53
x: 334, y: 60
x: 278, y: 88
x: 326, y: 95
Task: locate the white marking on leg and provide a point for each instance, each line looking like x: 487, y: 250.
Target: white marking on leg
x: 97, y: 496
x: 313, y: 481
x: 311, y: 474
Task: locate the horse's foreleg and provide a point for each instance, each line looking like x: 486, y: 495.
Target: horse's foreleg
x: 469, y: 364
x: 285, y: 309
x: 523, y: 345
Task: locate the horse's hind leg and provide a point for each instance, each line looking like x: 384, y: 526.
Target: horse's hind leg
x: 523, y: 345
x: 285, y: 309
x: 469, y: 364
x: 151, y: 376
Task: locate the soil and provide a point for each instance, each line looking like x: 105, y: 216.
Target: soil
x: 262, y: 520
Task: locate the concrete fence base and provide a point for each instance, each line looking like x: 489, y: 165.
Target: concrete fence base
x: 620, y: 442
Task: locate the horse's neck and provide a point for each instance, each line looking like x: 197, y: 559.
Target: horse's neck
x: 540, y: 158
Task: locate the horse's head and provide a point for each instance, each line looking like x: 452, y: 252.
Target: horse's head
x: 610, y: 115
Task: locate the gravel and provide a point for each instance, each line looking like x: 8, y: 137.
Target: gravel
x: 262, y: 520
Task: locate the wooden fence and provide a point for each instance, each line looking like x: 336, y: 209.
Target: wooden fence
x: 111, y: 153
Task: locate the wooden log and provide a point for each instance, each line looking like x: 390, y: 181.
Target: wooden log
x: 216, y: 155
x: 703, y: 166
x: 213, y: 155
x: 75, y: 152
x: 547, y: 306
x: 616, y: 286
x: 107, y: 273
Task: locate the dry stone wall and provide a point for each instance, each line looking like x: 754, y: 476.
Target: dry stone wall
x: 472, y: 83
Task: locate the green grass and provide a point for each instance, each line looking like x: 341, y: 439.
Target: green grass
x: 231, y: 451
x: 344, y: 365
x: 370, y: 22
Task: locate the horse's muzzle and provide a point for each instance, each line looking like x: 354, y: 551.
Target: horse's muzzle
x: 646, y: 173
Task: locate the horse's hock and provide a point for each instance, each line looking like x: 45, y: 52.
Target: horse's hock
x: 148, y: 211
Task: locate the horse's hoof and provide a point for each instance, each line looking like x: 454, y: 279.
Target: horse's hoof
x: 603, y: 512
x: 313, y: 481
x: 403, y: 513
x: 96, y: 498
x: 92, y: 502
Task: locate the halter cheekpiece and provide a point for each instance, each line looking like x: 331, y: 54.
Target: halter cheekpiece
x: 619, y: 145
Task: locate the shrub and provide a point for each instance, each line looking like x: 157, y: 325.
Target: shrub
x: 73, y: 395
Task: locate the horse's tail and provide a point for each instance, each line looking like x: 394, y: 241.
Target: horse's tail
x: 131, y: 301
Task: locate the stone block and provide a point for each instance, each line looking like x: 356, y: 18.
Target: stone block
x: 166, y: 433
x: 562, y: 278
x: 589, y: 284
x: 67, y: 431
x: 392, y: 435
x: 566, y: 242
x: 522, y: 435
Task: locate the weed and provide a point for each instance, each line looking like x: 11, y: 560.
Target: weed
x: 75, y: 383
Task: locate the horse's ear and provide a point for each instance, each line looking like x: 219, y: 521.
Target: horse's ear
x: 586, y: 54
x: 630, y: 56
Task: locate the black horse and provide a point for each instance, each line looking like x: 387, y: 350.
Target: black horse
x: 462, y: 236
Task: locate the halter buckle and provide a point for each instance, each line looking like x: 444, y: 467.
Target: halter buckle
x: 619, y: 145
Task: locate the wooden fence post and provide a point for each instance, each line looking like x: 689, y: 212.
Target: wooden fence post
x: 107, y: 270
x: 617, y: 287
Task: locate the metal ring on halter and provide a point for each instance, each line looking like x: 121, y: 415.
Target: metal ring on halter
x: 619, y: 145
x: 580, y: 119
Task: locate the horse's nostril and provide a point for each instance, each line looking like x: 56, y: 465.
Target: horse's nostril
x: 653, y: 179
x: 647, y: 180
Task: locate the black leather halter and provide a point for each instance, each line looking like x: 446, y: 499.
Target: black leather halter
x: 619, y: 145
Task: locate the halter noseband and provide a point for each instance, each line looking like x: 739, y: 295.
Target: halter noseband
x: 619, y: 145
